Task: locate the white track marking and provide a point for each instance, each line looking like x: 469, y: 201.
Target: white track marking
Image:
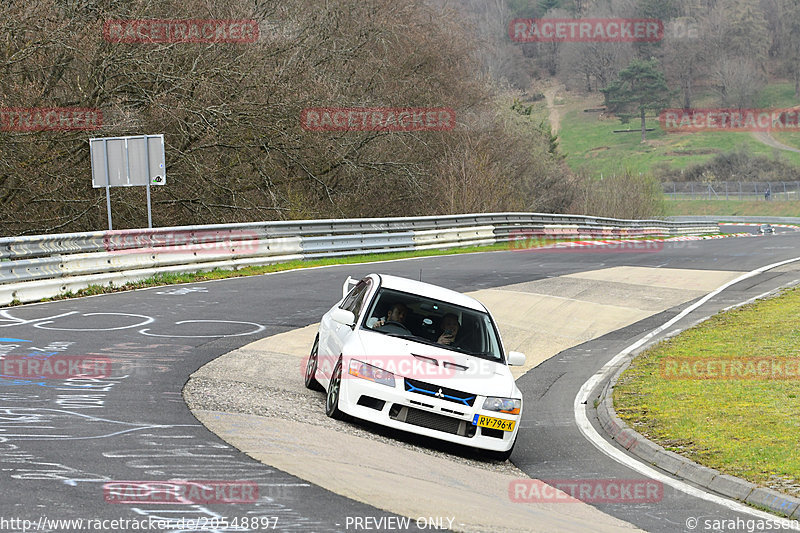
x: 259, y: 329
x: 589, y: 432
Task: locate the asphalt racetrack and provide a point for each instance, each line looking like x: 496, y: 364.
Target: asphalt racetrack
x: 62, y: 441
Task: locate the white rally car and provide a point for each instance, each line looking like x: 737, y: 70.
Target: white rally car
x: 420, y: 358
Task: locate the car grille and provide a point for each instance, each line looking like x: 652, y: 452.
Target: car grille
x: 451, y: 395
x: 432, y: 421
x: 427, y: 419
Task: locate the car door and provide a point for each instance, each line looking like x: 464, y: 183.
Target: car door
x: 334, y: 335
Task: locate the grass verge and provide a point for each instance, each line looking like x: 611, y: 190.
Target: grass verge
x: 733, y: 208
x: 743, y: 427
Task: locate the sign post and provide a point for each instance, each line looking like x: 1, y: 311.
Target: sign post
x: 128, y: 162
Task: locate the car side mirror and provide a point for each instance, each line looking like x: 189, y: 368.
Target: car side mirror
x: 343, y: 316
x: 516, y: 358
x: 348, y: 285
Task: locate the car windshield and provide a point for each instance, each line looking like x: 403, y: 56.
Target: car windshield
x: 429, y: 321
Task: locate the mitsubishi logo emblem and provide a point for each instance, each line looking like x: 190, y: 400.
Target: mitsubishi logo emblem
x: 439, y: 394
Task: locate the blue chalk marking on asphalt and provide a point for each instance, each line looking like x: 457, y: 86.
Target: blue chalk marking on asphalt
x: 6, y: 381
x: 13, y: 340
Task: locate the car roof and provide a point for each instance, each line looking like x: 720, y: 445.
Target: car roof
x: 431, y: 291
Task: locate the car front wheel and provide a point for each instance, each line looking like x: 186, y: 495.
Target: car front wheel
x: 311, y: 368
x: 334, y: 389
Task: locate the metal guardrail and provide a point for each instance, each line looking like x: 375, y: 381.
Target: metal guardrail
x: 40, y: 266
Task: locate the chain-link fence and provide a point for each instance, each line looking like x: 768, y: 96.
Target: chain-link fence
x: 733, y: 190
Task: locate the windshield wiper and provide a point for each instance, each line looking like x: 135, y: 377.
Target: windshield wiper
x: 396, y: 335
x: 423, y: 340
x: 482, y: 355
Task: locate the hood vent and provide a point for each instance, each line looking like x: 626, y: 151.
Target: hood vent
x: 435, y: 362
x: 430, y: 360
x: 448, y: 364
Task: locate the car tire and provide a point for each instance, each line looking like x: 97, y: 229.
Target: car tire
x: 311, y: 368
x: 332, y: 396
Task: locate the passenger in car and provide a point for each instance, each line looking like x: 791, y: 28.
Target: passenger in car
x: 450, y: 327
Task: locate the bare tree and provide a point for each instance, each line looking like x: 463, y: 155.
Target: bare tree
x: 790, y: 52
x: 684, y: 57
x: 230, y: 112
x: 625, y: 195
x: 594, y: 65
x: 516, y: 173
x: 737, y: 82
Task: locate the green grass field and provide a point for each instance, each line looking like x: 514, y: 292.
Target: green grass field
x: 744, y: 427
x: 591, y: 146
x: 788, y: 138
x: 732, y: 207
x: 777, y: 95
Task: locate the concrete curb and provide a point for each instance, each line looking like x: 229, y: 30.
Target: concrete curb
x: 681, y: 467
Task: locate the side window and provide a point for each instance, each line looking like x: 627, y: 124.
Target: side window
x: 355, y: 300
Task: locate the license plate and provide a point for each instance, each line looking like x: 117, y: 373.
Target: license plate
x: 496, y: 423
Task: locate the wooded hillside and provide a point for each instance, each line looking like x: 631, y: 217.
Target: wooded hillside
x: 230, y: 113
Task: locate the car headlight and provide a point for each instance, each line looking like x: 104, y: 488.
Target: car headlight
x: 371, y: 373
x: 503, y: 405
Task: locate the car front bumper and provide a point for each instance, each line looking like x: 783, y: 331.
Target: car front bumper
x: 423, y: 414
